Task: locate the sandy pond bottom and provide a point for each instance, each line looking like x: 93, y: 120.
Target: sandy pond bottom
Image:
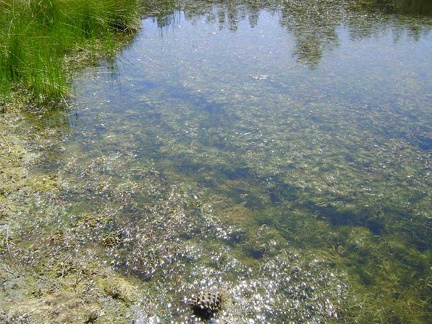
x: 219, y: 157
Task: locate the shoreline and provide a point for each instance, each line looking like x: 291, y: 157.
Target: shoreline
x: 40, y: 281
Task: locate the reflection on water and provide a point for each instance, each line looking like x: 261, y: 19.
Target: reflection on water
x: 278, y: 151
x: 411, y: 7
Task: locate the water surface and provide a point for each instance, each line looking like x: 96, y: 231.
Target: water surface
x: 278, y: 152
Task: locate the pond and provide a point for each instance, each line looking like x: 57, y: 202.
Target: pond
x: 277, y: 152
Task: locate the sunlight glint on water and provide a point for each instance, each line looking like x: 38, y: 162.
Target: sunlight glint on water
x: 277, y: 164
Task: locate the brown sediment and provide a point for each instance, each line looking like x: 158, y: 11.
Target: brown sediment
x: 46, y: 277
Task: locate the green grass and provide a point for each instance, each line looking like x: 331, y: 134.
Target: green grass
x: 37, y: 35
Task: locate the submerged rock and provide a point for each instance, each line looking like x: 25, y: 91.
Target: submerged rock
x: 206, y: 304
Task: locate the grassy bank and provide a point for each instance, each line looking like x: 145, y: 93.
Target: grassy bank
x: 36, y: 36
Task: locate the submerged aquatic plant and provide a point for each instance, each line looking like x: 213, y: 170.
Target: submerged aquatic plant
x: 301, y: 195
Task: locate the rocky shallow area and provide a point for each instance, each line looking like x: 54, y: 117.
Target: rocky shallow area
x: 42, y: 278
x: 144, y: 262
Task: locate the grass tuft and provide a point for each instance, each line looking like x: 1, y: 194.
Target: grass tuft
x: 37, y: 35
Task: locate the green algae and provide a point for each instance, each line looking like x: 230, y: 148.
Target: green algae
x: 297, y: 201
x: 291, y: 166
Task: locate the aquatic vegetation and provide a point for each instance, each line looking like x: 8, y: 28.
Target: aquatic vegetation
x: 296, y: 194
x: 37, y: 35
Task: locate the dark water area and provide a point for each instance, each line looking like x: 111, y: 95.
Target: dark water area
x: 407, y: 7
x: 277, y: 151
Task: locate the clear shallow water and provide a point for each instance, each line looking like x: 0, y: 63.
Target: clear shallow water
x: 282, y: 156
